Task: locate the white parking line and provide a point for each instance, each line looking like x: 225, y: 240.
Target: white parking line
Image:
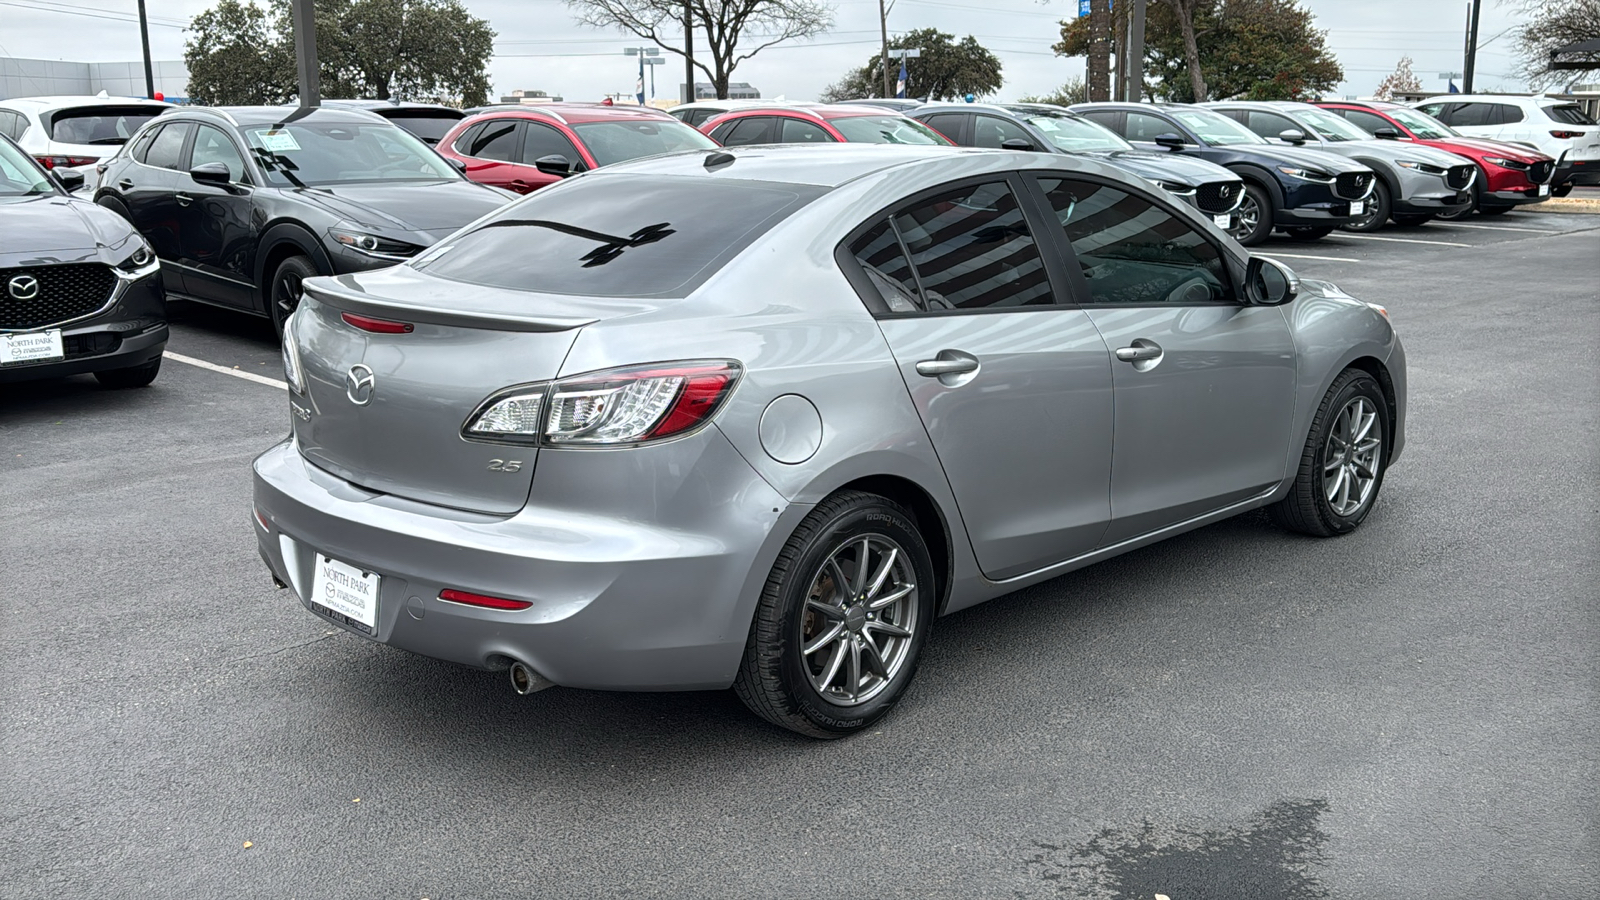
x: 237, y: 373
x: 1495, y: 227
x: 1372, y: 237
x: 1309, y: 256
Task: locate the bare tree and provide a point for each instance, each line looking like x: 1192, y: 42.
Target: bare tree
x: 723, y: 23
x: 1401, y: 80
x: 1554, y: 24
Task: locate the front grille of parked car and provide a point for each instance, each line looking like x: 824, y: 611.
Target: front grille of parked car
x: 1540, y: 172
x: 1353, y: 185
x: 65, y: 292
x: 1218, y: 196
x: 1458, y: 177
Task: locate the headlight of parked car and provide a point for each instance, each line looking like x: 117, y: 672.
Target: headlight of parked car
x: 1505, y: 163
x: 371, y: 244
x: 1420, y: 166
x: 1173, y: 187
x: 141, y: 261
x: 1307, y: 174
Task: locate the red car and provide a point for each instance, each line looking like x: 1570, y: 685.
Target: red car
x: 523, y: 149
x: 1509, y: 175
x: 819, y: 124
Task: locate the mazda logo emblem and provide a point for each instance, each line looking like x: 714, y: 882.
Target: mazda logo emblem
x: 24, y: 287
x: 359, y: 384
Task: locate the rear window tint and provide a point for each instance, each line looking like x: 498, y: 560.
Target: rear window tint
x: 430, y: 125
x: 1570, y: 115
x: 618, y: 236
x: 109, y: 125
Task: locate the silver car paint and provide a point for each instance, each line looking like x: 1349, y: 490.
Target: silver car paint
x: 644, y: 565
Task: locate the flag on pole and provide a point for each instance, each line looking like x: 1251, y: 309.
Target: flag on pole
x: 1453, y: 88
x: 900, y: 86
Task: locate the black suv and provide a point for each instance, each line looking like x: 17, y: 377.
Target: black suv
x: 242, y: 204
x: 78, y: 286
x: 1306, y: 193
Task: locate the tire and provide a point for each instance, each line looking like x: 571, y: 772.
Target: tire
x: 1355, y: 398
x: 1465, y: 211
x: 1561, y: 190
x: 778, y: 680
x: 1253, y: 219
x: 1411, y: 220
x: 283, y: 291
x: 131, y: 377
x: 116, y: 206
x: 1494, y: 210
x: 1308, y: 233
x: 1379, y: 205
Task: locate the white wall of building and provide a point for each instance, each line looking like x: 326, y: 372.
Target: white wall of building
x: 49, y: 77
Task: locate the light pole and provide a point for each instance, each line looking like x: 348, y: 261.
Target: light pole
x: 144, y: 40
x: 905, y: 80
x: 648, y: 56
x: 304, y: 16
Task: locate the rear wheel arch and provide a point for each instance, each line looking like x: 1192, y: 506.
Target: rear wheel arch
x: 931, y: 522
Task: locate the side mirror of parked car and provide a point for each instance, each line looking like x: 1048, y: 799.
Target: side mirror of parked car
x: 69, y: 181
x: 554, y: 164
x: 460, y: 165
x: 213, y: 173
x: 1170, y: 141
x: 1292, y: 136
x: 1268, y: 282
x: 1386, y: 134
x: 1016, y: 144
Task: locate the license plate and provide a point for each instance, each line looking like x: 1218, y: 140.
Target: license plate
x: 30, y: 347
x: 1222, y: 220
x: 1544, y: 190
x: 347, y: 592
x: 1357, y: 207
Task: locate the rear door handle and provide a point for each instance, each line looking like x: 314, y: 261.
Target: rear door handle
x: 1145, y: 350
x: 933, y: 368
x: 125, y: 184
x: 185, y: 200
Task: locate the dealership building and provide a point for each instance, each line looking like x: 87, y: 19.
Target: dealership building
x: 55, y: 77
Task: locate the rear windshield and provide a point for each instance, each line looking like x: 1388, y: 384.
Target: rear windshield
x: 110, y: 125
x: 430, y: 125
x: 1569, y: 115
x: 617, y: 236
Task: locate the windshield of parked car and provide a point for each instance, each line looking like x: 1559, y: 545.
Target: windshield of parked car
x: 885, y: 130
x: 1076, y: 135
x: 622, y: 140
x: 1216, y: 129
x: 1421, y: 124
x: 1569, y: 114
x: 307, y: 153
x: 1332, y: 128
x: 428, y: 124
x: 19, y: 177
x: 109, y: 125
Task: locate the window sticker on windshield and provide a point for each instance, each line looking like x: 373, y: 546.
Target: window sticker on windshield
x: 277, y: 141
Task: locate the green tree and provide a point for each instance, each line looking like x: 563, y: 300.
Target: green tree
x: 1250, y: 49
x: 1555, y: 24
x: 947, y: 69
x: 235, y: 57
x: 1074, y: 91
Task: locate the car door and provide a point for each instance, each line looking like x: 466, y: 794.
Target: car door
x: 539, y: 141
x: 1010, y: 378
x: 745, y: 130
x: 1512, y: 124
x: 492, y: 152
x: 802, y: 131
x: 216, y: 233
x: 1271, y: 125
x: 951, y: 125
x: 149, y: 190
x: 1204, y: 384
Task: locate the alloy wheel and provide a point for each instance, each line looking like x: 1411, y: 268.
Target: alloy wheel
x: 1249, y: 216
x: 286, y: 294
x: 859, y: 618
x: 1351, y: 457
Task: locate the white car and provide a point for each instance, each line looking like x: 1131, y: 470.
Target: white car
x: 1558, y: 128
x: 72, y: 134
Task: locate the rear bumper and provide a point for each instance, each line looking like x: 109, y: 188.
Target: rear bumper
x: 1583, y: 171
x: 643, y: 572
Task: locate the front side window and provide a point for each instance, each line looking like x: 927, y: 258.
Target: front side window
x: 1216, y: 130
x: 620, y: 141
x: 19, y: 177
x: 539, y: 141
x: 1132, y: 251
x: 166, y: 150
x: 1269, y: 125
x: 802, y: 131
x: 993, y: 132
x: 212, y: 146
x: 1076, y: 135
x: 886, y: 130
x: 1468, y: 115
x: 972, y: 249
x: 310, y: 152
x: 1421, y: 124
x: 1142, y: 127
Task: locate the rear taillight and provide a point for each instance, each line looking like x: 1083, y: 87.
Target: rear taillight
x: 455, y: 596
x: 56, y: 162
x: 616, y: 407
x: 380, y: 326
x: 1566, y: 135
x: 292, y: 372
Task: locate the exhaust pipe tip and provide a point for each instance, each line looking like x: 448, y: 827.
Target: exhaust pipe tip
x: 525, y: 681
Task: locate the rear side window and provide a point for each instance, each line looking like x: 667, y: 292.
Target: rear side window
x: 1470, y: 114
x: 972, y: 249
x: 166, y: 149
x: 751, y: 130
x: 884, y: 260
x: 497, y: 140
x: 947, y: 124
x: 618, y: 236
x: 1504, y: 114
x: 11, y: 124
x: 109, y: 125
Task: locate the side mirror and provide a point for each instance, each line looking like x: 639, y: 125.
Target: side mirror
x: 1170, y: 140
x: 460, y: 165
x: 1386, y: 134
x: 213, y: 173
x: 1292, y: 136
x: 1016, y: 144
x: 554, y: 164
x: 1268, y: 282
x: 69, y: 181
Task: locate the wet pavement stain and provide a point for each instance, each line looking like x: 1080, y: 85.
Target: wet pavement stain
x: 1273, y: 856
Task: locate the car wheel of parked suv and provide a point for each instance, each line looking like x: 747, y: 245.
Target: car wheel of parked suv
x: 842, y: 619
x: 286, y: 288
x: 1253, y: 220
x: 1379, y: 205
x: 1308, y: 234
x: 1412, y: 219
x: 1494, y: 210
x: 1561, y: 190
x: 1343, y: 462
x: 131, y: 377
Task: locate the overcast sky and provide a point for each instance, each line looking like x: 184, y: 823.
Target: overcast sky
x: 539, y: 47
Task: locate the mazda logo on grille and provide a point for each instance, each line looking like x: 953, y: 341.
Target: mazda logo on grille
x: 359, y: 384
x: 23, y: 287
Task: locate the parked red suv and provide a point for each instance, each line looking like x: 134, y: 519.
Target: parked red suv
x: 523, y: 149
x: 1509, y: 175
x: 819, y: 124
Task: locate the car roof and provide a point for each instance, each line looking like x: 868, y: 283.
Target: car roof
x: 45, y: 104
x: 1280, y: 105
x: 815, y: 110
x: 823, y: 165
x: 577, y: 112
x: 386, y: 104
x: 1364, y: 104
x: 281, y: 115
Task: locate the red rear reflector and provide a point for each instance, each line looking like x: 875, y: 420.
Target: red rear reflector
x: 381, y: 326
x: 697, y: 400
x: 455, y: 596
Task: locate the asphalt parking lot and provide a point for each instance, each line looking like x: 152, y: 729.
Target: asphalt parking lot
x: 1235, y: 713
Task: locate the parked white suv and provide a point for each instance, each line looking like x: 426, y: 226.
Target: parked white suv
x: 72, y: 134
x: 1558, y: 128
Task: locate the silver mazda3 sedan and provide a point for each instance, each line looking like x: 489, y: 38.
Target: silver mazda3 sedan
x: 757, y: 417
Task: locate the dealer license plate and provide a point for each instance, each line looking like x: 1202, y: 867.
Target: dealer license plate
x: 1544, y: 190
x: 30, y: 347
x: 1357, y: 207
x: 346, y: 592
x: 1222, y: 220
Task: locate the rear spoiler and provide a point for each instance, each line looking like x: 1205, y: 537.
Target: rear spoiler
x: 331, y: 291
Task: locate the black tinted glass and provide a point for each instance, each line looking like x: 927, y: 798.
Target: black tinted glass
x: 1366, y: 121
x: 212, y: 146
x: 972, y: 249
x: 1568, y: 115
x: 497, y: 140
x: 801, y: 131
x: 539, y: 141
x: 991, y: 131
x: 1470, y: 114
x: 166, y: 151
x: 1269, y: 125
x: 430, y: 125
x: 948, y: 125
x: 618, y: 236
x: 1133, y: 251
x: 753, y: 130
x: 100, y: 124
x: 1142, y: 127
x: 1506, y: 114
x: 885, y: 263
